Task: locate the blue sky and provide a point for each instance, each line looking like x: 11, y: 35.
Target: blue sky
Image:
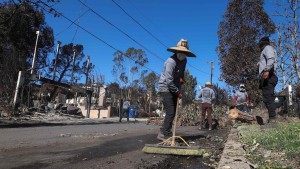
x: 167, y: 20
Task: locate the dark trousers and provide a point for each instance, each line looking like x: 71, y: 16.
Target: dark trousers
x: 267, y: 86
x: 243, y: 108
x: 206, y: 107
x: 125, y: 111
x: 169, y: 102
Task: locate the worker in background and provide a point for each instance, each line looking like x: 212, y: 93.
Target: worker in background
x: 241, y: 99
x: 126, y: 106
x: 207, y: 95
x: 169, y: 85
x: 267, y: 75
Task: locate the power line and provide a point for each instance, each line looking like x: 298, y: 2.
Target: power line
x: 152, y: 34
x: 163, y: 32
x: 73, y: 22
x: 130, y: 36
x: 100, y: 16
x: 198, y: 69
x: 139, y: 24
x: 78, y: 23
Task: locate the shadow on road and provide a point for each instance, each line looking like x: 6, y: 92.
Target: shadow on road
x: 113, y: 147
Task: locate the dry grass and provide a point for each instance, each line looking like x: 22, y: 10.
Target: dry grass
x: 275, y: 146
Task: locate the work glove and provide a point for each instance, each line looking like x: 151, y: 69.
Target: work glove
x: 181, y: 80
x: 234, y: 101
x: 179, y: 95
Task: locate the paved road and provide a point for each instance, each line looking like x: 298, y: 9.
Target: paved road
x: 115, y: 145
x: 75, y: 146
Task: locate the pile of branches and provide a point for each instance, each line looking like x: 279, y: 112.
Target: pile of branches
x: 190, y: 114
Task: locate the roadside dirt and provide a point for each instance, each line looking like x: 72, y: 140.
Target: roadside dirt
x: 212, y: 141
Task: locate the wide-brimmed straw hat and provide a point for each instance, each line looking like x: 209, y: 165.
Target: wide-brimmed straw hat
x: 182, y: 46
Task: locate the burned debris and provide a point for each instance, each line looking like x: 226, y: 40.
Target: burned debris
x: 77, y: 101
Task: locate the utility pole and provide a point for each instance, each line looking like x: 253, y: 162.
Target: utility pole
x: 32, y: 67
x: 87, y: 71
x: 88, y: 94
x: 211, y: 69
x: 74, y: 59
x: 17, y: 97
x: 34, y: 54
x: 56, y: 56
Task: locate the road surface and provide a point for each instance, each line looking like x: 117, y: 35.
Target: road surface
x: 107, y: 146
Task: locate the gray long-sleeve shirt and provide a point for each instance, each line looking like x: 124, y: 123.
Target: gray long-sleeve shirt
x: 241, y: 97
x: 268, y: 59
x: 173, y: 70
x: 126, y: 104
x: 207, y: 95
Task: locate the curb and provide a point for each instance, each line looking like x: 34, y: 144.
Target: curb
x: 233, y: 154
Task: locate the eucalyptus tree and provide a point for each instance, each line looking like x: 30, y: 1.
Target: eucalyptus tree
x: 150, y: 82
x: 135, y: 59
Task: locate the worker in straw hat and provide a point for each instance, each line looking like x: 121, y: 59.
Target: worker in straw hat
x: 206, y: 96
x: 169, y: 85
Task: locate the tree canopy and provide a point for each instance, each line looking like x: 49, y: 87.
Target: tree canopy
x: 243, y: 24
x: 135, y: 59
x: 188, y: 88
x: 18, y: 26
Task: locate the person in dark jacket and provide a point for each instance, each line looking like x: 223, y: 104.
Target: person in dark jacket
x: 126, y: 106
x: 169, y: 85
x: 267, y: 75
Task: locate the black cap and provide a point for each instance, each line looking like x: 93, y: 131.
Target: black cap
x: 264, y: 39
x: 263, y: 42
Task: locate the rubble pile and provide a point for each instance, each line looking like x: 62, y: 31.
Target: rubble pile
x: 52, y: 108
x: 42, y: 113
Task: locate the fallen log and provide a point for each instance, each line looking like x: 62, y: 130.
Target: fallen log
x: 235, y: 114
x: 255, y: 117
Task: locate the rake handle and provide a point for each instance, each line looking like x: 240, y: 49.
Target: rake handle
x: 175, y: 121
